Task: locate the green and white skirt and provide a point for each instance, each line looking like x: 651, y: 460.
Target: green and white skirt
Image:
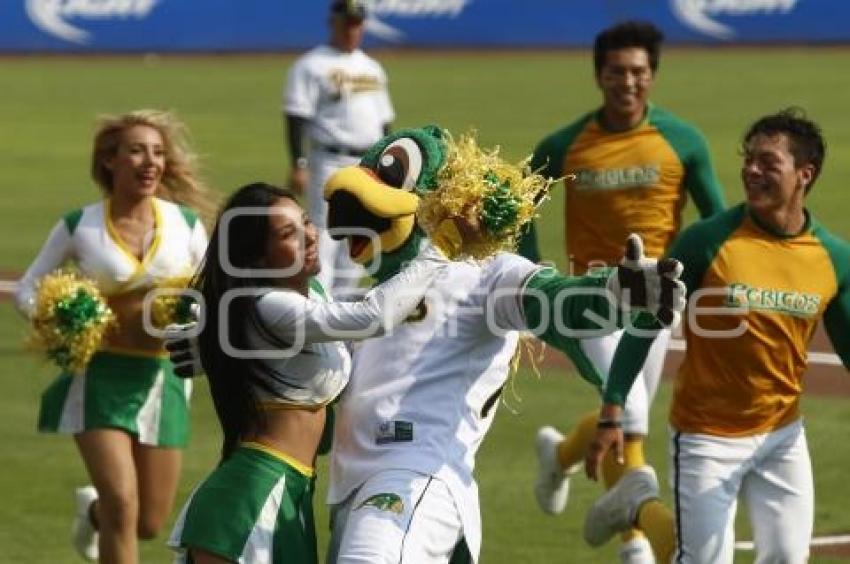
x: 139, y: 394
x: 255, y: 508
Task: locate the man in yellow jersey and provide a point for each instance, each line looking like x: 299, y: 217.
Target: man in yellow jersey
x: 629, y: 167
x: 760, y: 277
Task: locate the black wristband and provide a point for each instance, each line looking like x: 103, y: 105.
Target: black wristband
x: 609, y: 424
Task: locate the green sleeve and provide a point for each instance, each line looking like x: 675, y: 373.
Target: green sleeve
x: 548, y: 156
x: 696, y: 248
x: 189, y: 215
x: 697, y: 245
x: 72, y: 219
x: 836, y: 318
x: 702, y: 184
x: 317, y: 287
x: 629, y: 357
x: 548, y: 160
x: 700, y: 180
x: 560, y: 313
x: 541, y: 159
x: 527, y: 245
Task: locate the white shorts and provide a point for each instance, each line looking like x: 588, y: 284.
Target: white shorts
x: 396, y: 517
x: 338, y: 273
x: 600, y: 350
x: 772, y: 473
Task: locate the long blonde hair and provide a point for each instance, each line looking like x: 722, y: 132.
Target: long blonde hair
x: 180, y: 182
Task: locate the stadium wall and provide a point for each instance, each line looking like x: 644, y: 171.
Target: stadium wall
x: 272, y: 25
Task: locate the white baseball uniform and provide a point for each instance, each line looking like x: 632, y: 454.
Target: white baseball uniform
x: 344, y: 97
x: 424, y: 415
x: 771, y: 472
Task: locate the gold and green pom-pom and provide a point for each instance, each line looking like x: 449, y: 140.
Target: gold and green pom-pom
x: 500, y: 207
x: 71, y: 317
x: 168, y: 308
x: 479, y: 183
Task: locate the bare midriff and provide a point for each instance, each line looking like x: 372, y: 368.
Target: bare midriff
x: 130, y: 333
x: 294, y: 432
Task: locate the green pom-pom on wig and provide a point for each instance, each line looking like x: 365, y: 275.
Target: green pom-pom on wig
x: 500, y: 206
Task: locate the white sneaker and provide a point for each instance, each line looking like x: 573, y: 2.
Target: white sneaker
x: 616, y: 511
x: 83, y: 533
x: 637, y: 551
x: 552, y: 488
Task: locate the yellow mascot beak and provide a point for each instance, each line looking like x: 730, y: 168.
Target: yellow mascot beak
x: 357, y: 199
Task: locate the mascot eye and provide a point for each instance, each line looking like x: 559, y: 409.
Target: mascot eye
x: 400, y: 163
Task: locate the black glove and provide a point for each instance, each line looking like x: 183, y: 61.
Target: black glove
x: 645, y: 284
x: 181, y: 341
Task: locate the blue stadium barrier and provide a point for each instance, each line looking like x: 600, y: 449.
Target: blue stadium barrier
x: 268, y: 25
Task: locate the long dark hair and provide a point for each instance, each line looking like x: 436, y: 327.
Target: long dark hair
x: 233, y: 380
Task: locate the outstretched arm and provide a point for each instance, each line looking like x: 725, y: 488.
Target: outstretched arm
x: 292, y: 317
x: 561, y: 310
x: 628, y: 361
x: 297, y: 320
x: 693, y: 254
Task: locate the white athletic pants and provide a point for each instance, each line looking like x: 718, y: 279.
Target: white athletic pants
x: 772, y: 474
x: 338, y: 273
x: 600, y: 350
x: 395, y: 517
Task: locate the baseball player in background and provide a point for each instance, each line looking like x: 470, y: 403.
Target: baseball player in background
x: 760, y: 277
x: 630, y: 166
x: 335, y: 106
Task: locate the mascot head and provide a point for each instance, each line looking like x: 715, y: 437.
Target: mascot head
x: 414, y: 182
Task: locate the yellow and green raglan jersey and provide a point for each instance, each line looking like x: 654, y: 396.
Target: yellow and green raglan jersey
x: 634, y: 181
x: 754, y: 301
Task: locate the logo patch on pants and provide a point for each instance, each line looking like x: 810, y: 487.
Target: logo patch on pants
x: 384, y: 502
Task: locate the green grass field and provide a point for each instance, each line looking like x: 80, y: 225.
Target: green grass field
x: 232, y: 105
